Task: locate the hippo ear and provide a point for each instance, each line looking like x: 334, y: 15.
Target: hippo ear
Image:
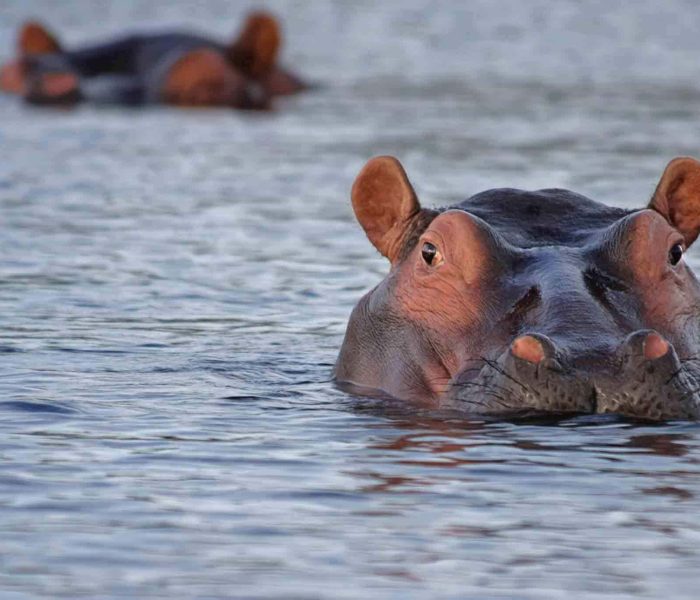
x: 384, y: 203
x: 257, y: 47
x: 35, y: 39
x: 677, y: 197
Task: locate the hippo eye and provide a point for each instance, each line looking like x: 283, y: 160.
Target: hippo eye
x: 675, y: 254
x: 429, y: 252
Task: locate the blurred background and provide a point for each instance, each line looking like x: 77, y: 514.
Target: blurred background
x: 174, y: 287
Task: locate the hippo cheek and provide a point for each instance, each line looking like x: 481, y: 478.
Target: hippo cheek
x: 663, y: 285
x: 452, y: 298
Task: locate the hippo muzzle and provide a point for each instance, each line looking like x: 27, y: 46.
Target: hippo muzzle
x: 643, y: 379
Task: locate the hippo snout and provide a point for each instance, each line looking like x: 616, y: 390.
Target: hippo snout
x: 642, y: 378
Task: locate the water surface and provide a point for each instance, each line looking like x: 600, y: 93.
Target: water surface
x: 174, y: 287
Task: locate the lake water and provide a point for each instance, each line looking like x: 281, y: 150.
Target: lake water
x: 174, y: 288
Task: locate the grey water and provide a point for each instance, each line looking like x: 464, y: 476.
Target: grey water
x: 174, y: 286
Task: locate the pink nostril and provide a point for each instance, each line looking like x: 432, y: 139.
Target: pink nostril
x: 654, y: 346
x: 528, y: 348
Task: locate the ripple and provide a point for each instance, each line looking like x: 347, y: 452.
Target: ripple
x: 36, y: 407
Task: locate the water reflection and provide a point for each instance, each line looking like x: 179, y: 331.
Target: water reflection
x: 662, y: 444
x: 440, y: 446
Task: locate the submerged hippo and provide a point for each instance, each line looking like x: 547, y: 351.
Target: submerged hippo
x: 517, y: 302
x: 178, y: 68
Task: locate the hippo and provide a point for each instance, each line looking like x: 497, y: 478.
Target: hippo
x: 177, y: 68
x: 521, y: 303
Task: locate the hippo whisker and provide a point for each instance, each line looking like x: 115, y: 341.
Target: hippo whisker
x: 674, y: 375
x: 485, y: 389
x: 497, y: 399
x: 441, y: 381
x: 496, y: 367
x: 479, y: 384
x: 478, y: 369
x: 688, y: 395
x: 494, y: 399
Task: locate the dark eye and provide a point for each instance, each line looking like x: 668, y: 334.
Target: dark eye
x: 429, y: 252
x: 675, y: 254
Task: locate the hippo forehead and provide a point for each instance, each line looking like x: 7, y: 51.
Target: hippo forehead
x: 550, y: 217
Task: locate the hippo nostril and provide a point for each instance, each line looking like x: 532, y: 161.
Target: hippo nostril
x: 654, y: 346
x: 646, y: 344
x: 528, y: 348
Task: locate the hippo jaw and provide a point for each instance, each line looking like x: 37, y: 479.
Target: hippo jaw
x: 644, y: 379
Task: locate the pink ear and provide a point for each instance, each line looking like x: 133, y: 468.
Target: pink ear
x: 384, y: 203
x: 257, y: 47
x: 677, y: 197
x: 34, y: 38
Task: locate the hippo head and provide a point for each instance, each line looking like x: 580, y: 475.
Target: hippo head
x: 517, y: 302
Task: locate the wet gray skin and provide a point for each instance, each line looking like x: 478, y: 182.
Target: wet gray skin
x: 516, y: 302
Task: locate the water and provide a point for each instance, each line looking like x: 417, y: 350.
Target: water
x: 174, y: 287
